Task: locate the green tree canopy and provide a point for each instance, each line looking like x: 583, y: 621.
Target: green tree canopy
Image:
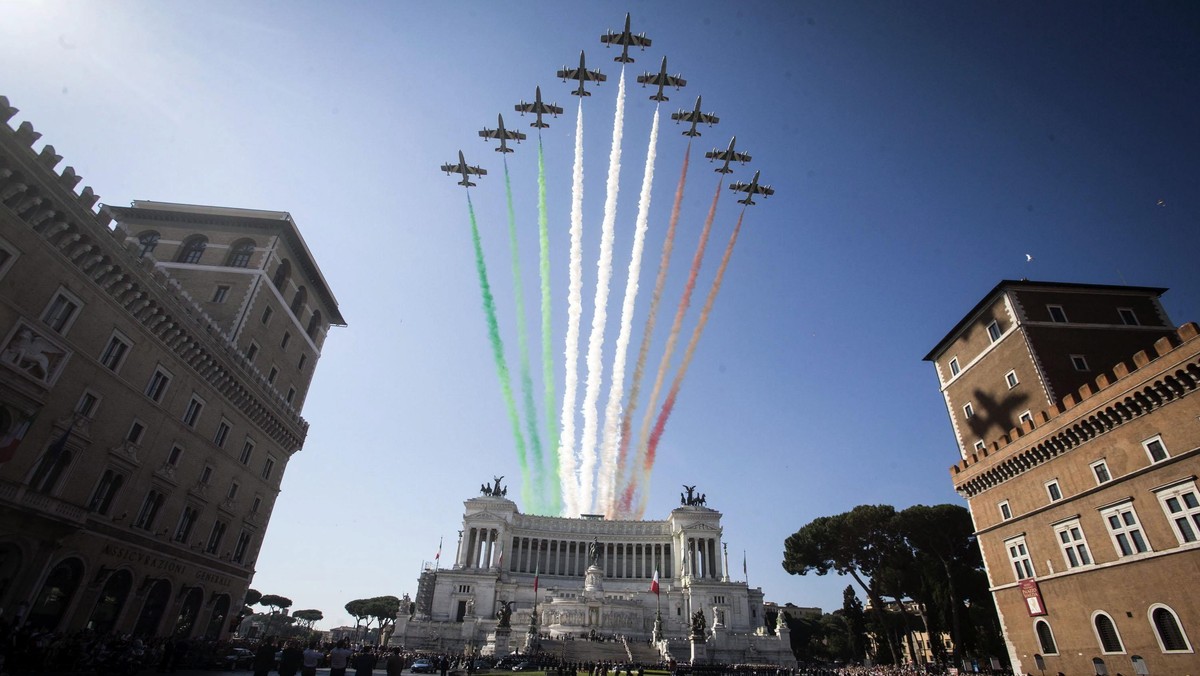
x: 275, y: 602
x: 308, y: 617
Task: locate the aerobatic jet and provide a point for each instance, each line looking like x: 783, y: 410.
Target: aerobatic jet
x: 465, y: 169
x: 538, y: 108
x: 729, y: 155
x: 583, y: 75
x: 695, y: 117
x: 503, y: 134
x: 626, y: 39
x: 662, y: 80
x: 751, y: 189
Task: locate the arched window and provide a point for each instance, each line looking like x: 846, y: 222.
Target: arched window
x: 146, y: 242
x: 216, y: 621
x: 192, y: 249
x: 1106, y: 632
x: 240, y: 253
x: 281, y: 274
x: 298, y: 301
x: 1045, y: 637
x: 152, y: 609
x: 314, y: 324
x: 57, y: 592
x: 1166, y: 626
x: 111, y: 601
x: 1098, y: 667
x: 188, y: 612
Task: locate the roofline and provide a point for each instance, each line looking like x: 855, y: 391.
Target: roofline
x: 1006, y: 284
x: 150, y: 211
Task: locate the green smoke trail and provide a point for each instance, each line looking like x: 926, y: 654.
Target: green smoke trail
x: 553, y: 489
x: 489, y: 310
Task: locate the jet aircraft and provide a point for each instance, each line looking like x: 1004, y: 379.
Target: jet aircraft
x: 465, y: 169
x: 695, y: 117
x: 626, y: 39
x: 583, y: 75
x: 751, y: 189
x: 662, y: 80
x: 538, y: 108
x: 503, y: 134
x: 729, y: 155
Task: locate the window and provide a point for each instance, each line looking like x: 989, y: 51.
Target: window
x: 1170, y: 635
x: 147, y: 241
x: 1074, y: 545
x: 979, y: 445
x: 1053, y: 490
x: 1079, y: 362
x: 174, y: 456
x: 106, y: 490
x: 266, y: 315
x: 192, y: 249
x: 220, y: 293
x: 1045, y: 637
x: 1155, y: 449
x: 1182, y: 507
x: 252, y: 351
x: 240, y: 253
x: 1025, y: 417
x: 1011, y: 379
x: 300, y: 363
x: 954, y: 367
x: 206, y: 475
x: 53, y: 463
x: 8, y: 256
x: 1057, y: 314
x: 136, y: 431
x: 291, y: 395
x: 314, y: 324
x: 993, y: 330
x: 247, y: 450
x: 1106, y: 632
x: 255, y: 505
x: 186, y: 520
x: 272, y: 375
x: 287, y: 338
x: 1128, y: 317
x: 114, y: 353
x: 1018, y: 555
x: 222, y: 433
x: 61, y: 312
x: 239, y: 550
x: 192, y: 413
x: 268, y: 467
x: 233, y: 490
x: 1124, y: 529
x: 1005, y: 511
x: 298, y: 301
x: 214, y: 537
x: 87, y: 405
x: 152, y: 503
x: 281, y: 275
x: 157, y: 386
x: 968, y: 410
x: 1100, y: 470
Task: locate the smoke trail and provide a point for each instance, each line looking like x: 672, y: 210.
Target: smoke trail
x: 552, y: 490
x: 531, y: 426
x: 669, y: 404
x: 566, y: 439
x: 612, y: 411
x: 600, y: 306
x: 673, y: 337
x: 489, y: 310
x: 639, y: 369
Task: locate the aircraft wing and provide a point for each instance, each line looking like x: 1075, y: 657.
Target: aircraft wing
x: 629, y: 39
x: 461, y: 168
x: 752, y: 188
x: 691, y: 116
x: 582, y: 74
x: 734, y: 156
x: 476, y: 170
x: 663, y: 80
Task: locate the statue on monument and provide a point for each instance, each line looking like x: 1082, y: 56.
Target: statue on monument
x: 691, y: 498
x: 504, y: 614
x: 698, y: 625
x: 494, y: 489
x: 594, y: 552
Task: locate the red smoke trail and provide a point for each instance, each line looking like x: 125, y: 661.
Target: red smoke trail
x: 669, y: 404
x: 643, y: 351
x: 673, y: 338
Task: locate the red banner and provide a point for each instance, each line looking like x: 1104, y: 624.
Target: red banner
x: 1033, y: 597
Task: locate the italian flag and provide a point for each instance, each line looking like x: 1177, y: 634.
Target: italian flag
x: 654, y: 582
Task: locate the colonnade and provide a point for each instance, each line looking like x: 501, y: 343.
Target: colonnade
x: 621, y: 560
x: 479, y: 549
x: 702, y: 558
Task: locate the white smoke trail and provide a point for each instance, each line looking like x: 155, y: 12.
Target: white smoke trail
x: 612, y: 412
x: 600, y: 310
x: 566, y: 440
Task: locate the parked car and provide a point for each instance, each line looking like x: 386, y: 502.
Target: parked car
x: 525, y: 666
x: 422, y: 666
x: 233, y: 659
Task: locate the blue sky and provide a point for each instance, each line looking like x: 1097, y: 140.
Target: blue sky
x: 919, y: 151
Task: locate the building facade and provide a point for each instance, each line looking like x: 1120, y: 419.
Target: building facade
x: 1079, y: 434
x: 152, y: 374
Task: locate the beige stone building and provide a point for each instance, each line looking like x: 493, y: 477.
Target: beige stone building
x: 1079, y: 435
x: 152, y: 374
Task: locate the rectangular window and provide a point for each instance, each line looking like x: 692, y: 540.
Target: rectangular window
x: 954, y: 366
x: 158, y: 384
x: 239, y: 550
x: 87, y: 405
x: 247, y: 451
x: 1011, y: 379
x: 1100, y: 471
x: 114, y: 353
x: 1018, y: 555
x: 1182, y: 507
x: 105, y: 491
x: 1025, y: 417
x: 283, y: 342
x: 255, y: 505
x: 136, y: 431
x: 61, y: 312
x: 1074, y: 545
x: 186, y: 520
x: 979, y: 445
x: 149, y: 510
x: 174, y: 456
x: 206, y: 475
x: 1079, y: 362
x: 968, y: 410
x: 266, y: 315
x: 233, y: 490
x: 192, y: 413
x: 1128, y: 317
x: 214, y: 537
x: 291, y: 395
x: 1053, y: 490
x: 272, y: 375
x: 1124, y: 529
x: 300, y: 363
x: 993, y: 330
x: 1057, y: 314
x: 268, y: 467
x: 252, y: 351
x: 222, y: 433
x: 1005, y: 511
x: 8, y: 256
x: 1155, y: 449
x: 221, y: 293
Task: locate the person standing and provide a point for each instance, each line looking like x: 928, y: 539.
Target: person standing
x: 291, y: 659
x: 395, y: 663
x: 339, y: 659
x: 310, y: 659
x: 364, y: 662
x: 264, y: 657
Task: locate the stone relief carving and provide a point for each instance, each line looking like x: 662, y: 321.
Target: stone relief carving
x: 34, y: 354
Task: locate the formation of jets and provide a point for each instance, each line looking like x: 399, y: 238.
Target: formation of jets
x: 538, y: 108
x: 695, y: 117
x: 582, y: 75
x: 505, y: 135
x: 662, y: 79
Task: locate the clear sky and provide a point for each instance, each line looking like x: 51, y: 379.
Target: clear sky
x: 919, y: 151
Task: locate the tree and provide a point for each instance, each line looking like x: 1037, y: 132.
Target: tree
x: 383, y: 609
x: 277, y: 604
x: 855, y: 622
x: 307, y: 618
x: 252, y: 597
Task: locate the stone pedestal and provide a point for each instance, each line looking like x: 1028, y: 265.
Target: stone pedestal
x: 593, y: 580
x: 699, y: 651
x: 500, y: 641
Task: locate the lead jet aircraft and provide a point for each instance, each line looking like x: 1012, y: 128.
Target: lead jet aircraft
x: 662, y: 80
x: 465, y: 169
x: 538, y: 108
x: 729, y: 155
x: 751, y: 189
x: 695, y: 117
x: 583, y: 75
x: 626, y: 39
x: 503, y: 134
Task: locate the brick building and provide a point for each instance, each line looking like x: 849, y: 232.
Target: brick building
x: 1079, y: 437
